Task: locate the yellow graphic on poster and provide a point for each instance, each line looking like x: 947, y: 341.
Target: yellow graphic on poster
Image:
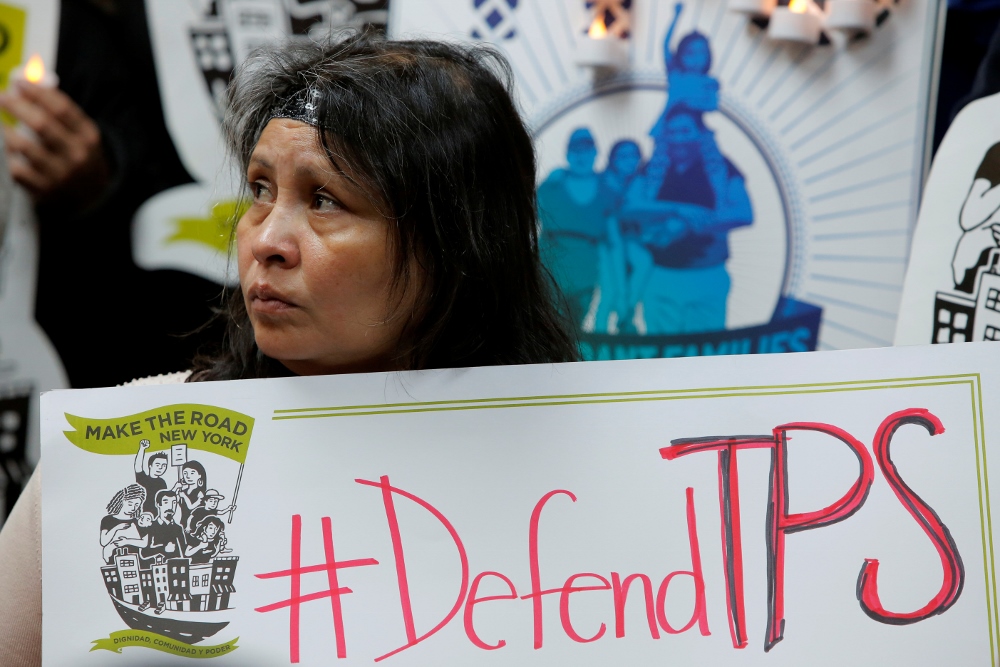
x: 215, y: 231
x: 203, y: 427
x: 12, y: 21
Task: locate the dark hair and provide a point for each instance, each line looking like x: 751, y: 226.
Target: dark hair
x: 199, y: 530
x: 198, y: 468
x: 430, y: 132
x: 128, y: 493
x: 157, y: 455
x: 164, y: 493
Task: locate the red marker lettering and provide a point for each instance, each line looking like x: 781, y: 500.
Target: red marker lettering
x: 780, y: 522
x: 951, y: 562
x: 620, y: 589
x: 700, y: 613
x: 397, y: 548
x: 470, y: 630
x: 536, y: 577
x: 564, y: 594
x: 294, y: 602
x: 729, y: 507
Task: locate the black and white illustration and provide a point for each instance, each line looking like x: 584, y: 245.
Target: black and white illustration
x: 166, y: 560
x: 952, y: 291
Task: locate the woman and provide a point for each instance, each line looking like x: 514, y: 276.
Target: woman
x: 190, y: 490
x: 391, y: 225
x: 208, y: 540
x: 120, y: 528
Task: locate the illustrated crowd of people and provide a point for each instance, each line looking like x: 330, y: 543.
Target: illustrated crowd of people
x: 642, y: 246
x: 150, y: 518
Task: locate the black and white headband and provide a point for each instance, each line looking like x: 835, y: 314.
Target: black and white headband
x: 302, y: 105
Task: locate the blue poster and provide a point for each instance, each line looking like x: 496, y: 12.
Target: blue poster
x: 639, y: 249
x: 717, y: 192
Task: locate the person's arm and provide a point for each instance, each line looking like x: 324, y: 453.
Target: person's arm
x: 642, y: 207
x: 21, y: 580
x: 139, y: 456
x: 194, y: 548
x: 734, y: 208
x: 110, y: 533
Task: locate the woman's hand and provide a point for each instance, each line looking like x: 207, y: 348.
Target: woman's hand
x: 64, y: 155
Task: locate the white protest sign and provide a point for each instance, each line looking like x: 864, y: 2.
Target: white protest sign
x: 952, y: 281
x: 822, y: 509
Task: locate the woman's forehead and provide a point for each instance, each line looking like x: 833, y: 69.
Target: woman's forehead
x: 285, y: 137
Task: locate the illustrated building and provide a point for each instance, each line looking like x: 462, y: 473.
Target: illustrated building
x: 961, y: 317
x: 127, y: 565
x: 112, y: 581
x: 161, y: 587
x: 201, y: 585
x: 223, y: 571
x: 147, y: 586
x: 179, y: 596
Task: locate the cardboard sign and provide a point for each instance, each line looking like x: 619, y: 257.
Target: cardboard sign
x: 830, y: 508
x: 789, y: 232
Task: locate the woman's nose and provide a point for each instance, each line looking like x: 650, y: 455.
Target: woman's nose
x: 276, y: 241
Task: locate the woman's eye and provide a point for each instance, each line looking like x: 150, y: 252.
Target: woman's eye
x: 260, y: 192
x: 325, y: 204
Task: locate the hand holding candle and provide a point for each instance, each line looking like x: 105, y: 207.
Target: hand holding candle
x: 34, y: 71
x: 61, y: 151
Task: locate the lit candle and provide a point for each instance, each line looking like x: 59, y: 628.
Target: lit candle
x: 34, y: 71
x: 800, y: 21
x: 752, y: 7
x: 853, y: 16
x: 599, y: 49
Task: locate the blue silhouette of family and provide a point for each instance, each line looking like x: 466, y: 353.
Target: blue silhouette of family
x: 150, y: 519
x: 643, y: 245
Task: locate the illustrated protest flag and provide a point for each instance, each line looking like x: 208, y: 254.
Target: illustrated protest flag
x: 830, y: 508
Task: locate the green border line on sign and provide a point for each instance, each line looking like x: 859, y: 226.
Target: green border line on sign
x: 972, y: 379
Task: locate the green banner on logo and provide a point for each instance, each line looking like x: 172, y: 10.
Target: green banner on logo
x: 205, y: 427
x: 116, y: 641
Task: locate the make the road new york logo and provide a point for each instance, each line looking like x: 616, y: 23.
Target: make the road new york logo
x: 169, y: 569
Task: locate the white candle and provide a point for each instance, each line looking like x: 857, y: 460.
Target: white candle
x: 601, y: 53
x: 854, y: 16
x: 795, y: 23
x: 34, y: 71
x: 599, y: 49
x: 752, y: 7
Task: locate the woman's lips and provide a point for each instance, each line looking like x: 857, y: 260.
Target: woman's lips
x: 266, y: 301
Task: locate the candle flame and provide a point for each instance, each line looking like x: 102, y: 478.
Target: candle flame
x: 799, y: 6
x: 597, y: 29
x: 34, y: 70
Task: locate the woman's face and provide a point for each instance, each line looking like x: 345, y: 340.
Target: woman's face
x: 627, y: 160
x: 211, y: 530
x: 694, y: 58
x: 129, y: 506
x: 191, y: 475
x: 316, y: 261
